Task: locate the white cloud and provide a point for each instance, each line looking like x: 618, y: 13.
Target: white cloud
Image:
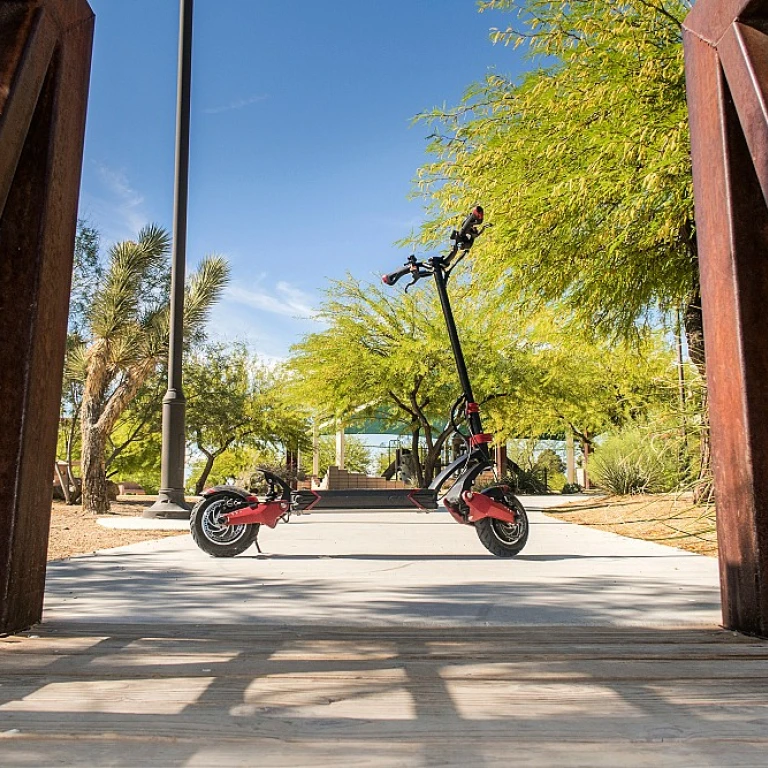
x: 282, y: 299
x: 233, y: 105
x: 118, y: 209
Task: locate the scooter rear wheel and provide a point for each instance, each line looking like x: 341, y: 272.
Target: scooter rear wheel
x: 499, y: 537
x: 212, y: 534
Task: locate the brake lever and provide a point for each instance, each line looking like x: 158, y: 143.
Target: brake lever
x: 417, y: 275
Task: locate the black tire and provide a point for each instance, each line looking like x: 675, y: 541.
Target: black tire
x: 211, y: 535
x: 500, y: 538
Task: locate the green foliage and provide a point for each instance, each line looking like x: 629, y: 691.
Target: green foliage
x: 388, y: 351
x: 235, y: 466
x: 635, y: 460
x: 583, y: 165
x: 235, y: 402
x: 551, y: 461
x: 357, y: 457
x: 556, y: 481
x: 134, y: 445
x: 87, y: 271
x: 123, y: 342
x: 586, y: 384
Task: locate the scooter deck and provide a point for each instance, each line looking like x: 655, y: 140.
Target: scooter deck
x: 359, y: 499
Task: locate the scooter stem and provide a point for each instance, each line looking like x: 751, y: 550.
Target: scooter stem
x: 475, y: 425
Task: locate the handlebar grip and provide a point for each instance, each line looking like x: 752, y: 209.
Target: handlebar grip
x: 474, y: 218
x: 393, y: 277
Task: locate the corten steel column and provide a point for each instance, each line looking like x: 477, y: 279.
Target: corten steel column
x: 501, y: 459
x: 171, y: 498
x: 727, y: 70
x: 45, y: 60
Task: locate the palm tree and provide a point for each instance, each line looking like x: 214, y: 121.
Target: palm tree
x: 128, y: 324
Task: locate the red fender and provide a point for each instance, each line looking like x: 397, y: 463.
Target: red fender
x: 262, y: 513
x: 481, y: 506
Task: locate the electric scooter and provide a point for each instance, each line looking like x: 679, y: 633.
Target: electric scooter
x: 226, y: 521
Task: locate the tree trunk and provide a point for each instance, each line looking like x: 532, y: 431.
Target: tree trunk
x: 200, y: 484
x: 694, y: 334
x: 415, y: 458
x: 586, y: 446
x: 433, y: 456
x: 74, y: 484
x: 93, y: 471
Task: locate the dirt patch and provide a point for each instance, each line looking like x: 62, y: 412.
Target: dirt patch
x: 74, y: 532
x: 671, y: 519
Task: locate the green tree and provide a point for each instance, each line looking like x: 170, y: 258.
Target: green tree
x: 551, y: 461
x: 127, y: 339
x: 87, y: 270
x: 233, y: 402
x: 237, y: 465
x: 583, y: 166
x: 588, y: 385
x: 357, y: 457
x: 389, y: 351
x: 135, y: 443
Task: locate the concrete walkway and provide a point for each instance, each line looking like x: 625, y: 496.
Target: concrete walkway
x: 385, y: 640
x: 396, y: 568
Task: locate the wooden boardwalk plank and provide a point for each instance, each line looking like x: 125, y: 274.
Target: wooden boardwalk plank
x: 226, y: 695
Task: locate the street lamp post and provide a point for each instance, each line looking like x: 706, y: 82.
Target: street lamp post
x: 171, y: 502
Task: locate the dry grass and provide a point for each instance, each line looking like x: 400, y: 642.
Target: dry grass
x: 75, y: 533
x: 671, y: 519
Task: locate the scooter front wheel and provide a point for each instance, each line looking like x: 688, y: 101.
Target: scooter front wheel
x: 211, y: 533
x: 499, y: 537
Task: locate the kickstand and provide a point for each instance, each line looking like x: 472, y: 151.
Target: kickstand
x: 256, y: 542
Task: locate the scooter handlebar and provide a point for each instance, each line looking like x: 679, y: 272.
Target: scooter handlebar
x: 393, y: 277
x: 464, y: 239
x: 475, y: 217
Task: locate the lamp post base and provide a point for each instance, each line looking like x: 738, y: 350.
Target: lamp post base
x: 170, y: 505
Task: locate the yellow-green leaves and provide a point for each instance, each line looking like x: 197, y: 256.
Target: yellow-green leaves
x: 583, y: 165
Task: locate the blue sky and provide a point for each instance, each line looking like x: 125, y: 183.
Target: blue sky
x: 302, y: 146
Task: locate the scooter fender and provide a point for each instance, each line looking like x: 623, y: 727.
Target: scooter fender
x: 481, y: 506
x: 259, y: 513
x: 244, y: 495
x: 253, y: 511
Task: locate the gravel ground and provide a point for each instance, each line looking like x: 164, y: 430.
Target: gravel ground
x: 74, y: 532
x: 671, y: 519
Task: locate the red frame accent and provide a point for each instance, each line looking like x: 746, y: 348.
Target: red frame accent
x: 481, y: 506
x: 313, y: 504
x: 261, y: 513
x: 414, y: 502
x: 478, y: 439
x: 472, y: 408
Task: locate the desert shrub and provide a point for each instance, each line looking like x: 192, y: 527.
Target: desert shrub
x: 522, y: 481
x: 636, y: 460
x: 571, y: 488
x: 555, y: 481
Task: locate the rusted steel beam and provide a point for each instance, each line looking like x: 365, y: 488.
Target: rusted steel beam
x: 45, y: 57
x: 729, y: 143
x: 709, y: 20
x: 743, y: 54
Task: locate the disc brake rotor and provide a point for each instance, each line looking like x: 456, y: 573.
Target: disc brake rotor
x: 215, y: 527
